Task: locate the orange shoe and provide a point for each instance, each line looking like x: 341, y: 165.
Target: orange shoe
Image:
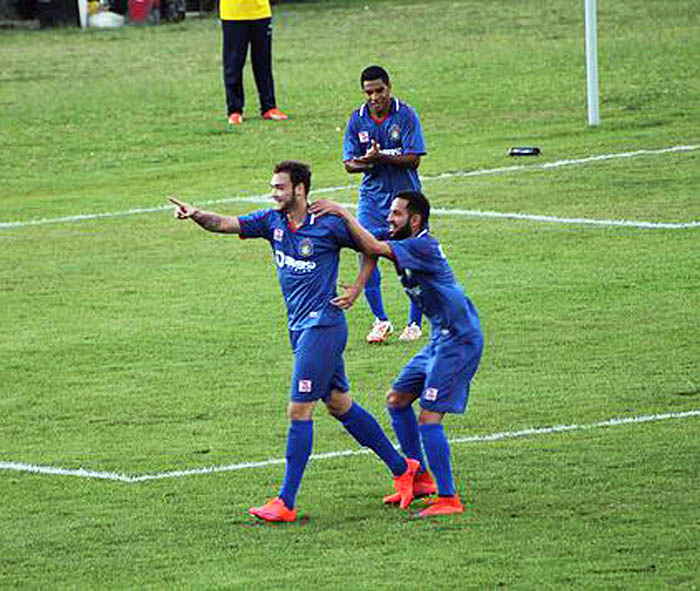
x: 403, y: 485
x: 235, y: 119
x: 275, y: 115
x: 423, y: 486
x: 442, y: 506
x: 274, y: 510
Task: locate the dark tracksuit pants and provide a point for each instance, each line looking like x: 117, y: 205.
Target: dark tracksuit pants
x: 238, y: 35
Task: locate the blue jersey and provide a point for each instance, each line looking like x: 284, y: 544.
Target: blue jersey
x: 399, y: 133
x: 429, y: 282
x: 307, y: 261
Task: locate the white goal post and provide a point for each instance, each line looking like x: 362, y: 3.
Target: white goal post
x: 592, y: 62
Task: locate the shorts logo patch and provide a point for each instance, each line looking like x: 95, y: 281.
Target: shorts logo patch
x: 431, y: 394
x: 305, y: 386
x: 363, y: 136
x: 278, y: 234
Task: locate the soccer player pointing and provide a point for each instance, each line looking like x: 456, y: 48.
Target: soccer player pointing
x: 439, y: 375
x: 306, y: 252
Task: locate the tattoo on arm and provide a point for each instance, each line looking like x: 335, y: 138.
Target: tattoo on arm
x: 208, y: 221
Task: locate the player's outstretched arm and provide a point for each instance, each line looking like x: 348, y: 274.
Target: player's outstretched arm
x: 368, y: 244
x: 212, y: 222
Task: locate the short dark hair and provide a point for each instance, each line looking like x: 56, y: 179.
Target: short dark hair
x: 418, y: 203
x: 299, y: 173
x: 374, y: 73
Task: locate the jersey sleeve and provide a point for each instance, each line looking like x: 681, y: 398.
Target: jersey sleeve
x: 412, y: 134
x: 351, y: 143
x: 256, y: 224
x: 416, y: 254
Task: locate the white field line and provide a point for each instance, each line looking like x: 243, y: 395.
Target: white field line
x: 51, y: 470
x: 265, y: 199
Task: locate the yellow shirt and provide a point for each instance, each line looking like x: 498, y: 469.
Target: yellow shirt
x: 244, y: 10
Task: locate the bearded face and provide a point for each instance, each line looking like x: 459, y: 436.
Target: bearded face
x: 400, y: 231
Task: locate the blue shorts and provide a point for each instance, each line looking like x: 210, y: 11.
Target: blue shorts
x: 319, y: 367
x: 441, y: 372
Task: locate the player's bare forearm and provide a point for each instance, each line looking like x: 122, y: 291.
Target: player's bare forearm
x: 355, y: 166
x: 367, y: 265
x: 369, y: 245
x: 352, y: 292
x: 400, y: 160
x: 214, y: 222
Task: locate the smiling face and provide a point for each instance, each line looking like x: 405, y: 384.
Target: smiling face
x: 378, y: 95
x: 400, y: 219
x: 283, y: 193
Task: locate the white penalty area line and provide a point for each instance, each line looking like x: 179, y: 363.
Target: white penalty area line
x: 499, y: 436
x: 265, y: 199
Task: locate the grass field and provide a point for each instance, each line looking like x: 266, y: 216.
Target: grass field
x: 133, y: 345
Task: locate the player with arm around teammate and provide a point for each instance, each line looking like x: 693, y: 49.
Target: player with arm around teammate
x: 306, y: 252
x: 440, y: 374
x: 383, y: 141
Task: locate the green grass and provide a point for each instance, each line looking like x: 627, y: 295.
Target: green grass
x: 137, y: 344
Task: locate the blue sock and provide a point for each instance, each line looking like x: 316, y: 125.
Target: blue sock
x: 373, y: 293
x: 405, y: 425
x: 438, y: 451
x: 367, y: 432
x: 299, y: 441
x: 415, y: 316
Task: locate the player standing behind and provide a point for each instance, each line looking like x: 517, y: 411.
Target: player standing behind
x: 307, y: 252
x: 384, y: 141
x: 439, y: 375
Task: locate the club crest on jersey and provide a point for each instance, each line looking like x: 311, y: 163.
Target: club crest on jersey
x: 306, y: 248
x: 395, y: 133
x: 305, y: 386
x: 431, y: 394
x: 278, y: 234
x: 363, y: 136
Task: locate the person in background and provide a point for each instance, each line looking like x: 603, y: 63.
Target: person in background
x: 248, y: 23
x: 383, y: 141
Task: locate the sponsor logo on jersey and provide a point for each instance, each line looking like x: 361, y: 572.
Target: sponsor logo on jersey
x: 284, y: 260
x: 431, y: 394
x: 392, y: 151
x: 395, y: 132
x: 363, y: 136
x: 305, y: 386
x: 306, y: 248
x: 278, y: 234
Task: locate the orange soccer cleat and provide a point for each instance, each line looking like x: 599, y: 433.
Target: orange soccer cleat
x: 235, y: 119
x: 423, y: 486
x: 442, y: 506
x: 274, y: 510
x: 403, y: 484
x: 275, y: 115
